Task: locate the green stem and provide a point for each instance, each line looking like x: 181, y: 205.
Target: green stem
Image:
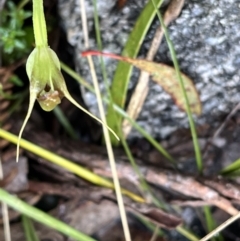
x: 39, y: 24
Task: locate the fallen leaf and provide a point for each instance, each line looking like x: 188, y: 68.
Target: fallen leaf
x: 165, y: 76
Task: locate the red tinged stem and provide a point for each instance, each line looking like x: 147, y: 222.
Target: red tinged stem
x: 121, y: 3
x: 98, y: 53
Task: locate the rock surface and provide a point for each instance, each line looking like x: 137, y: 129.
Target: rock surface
x: 207, y: 42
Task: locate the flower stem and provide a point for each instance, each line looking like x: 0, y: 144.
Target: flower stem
x: 39, y: 24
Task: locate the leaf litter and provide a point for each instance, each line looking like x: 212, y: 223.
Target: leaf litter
x: 185, y: 184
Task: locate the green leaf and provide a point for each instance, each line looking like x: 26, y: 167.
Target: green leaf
x: 123, y: 72
x: 13, y: 37
x: 20, y: 44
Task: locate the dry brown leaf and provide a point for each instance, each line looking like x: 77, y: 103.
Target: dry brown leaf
x: 166, y: 77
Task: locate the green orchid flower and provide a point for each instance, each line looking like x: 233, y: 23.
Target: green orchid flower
x: 47, y: 84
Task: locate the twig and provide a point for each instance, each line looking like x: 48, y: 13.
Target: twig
x: 155, y: 233
x: 189, y: 187
x: 169, y: 179
x: 141, y: 90
x: 105, y: 130
x: 221, y: 227
x: 183, y: 184
x: 220, y: 128
x: 196, y: 203
x: 6, y: 225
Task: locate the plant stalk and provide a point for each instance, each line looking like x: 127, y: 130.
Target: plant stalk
x: 39, y: 24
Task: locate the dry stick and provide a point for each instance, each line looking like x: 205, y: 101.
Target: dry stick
x: 220, y: 128
x: 105, y: 130
x: 217, y: 133
x: 142, y: 89
x: 6, y: 225
x: 189, y: 187
x: 170, y: 180
x: 197, y: 203
x: 221, y: 227
x: 194, y: 204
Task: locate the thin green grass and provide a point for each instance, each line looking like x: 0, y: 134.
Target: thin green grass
x: 187, y: 233
x: 144, y: 187
x: 221, y: 227
x: 232, y: 168
x: 22, y: 4
x: 198, y: 154
x: 112, y: 162
x: 120, y: 111
x: 29, y: 230
x: 4, y: 212
x: 42, y: 217
x: 66, y: 164
x: 209, y: 220
x: 64, y: 122
x: 143, y: 184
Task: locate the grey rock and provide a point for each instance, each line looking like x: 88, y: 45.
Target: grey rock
x: 206, y: 38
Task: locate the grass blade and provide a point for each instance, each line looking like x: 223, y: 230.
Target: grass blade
x: 143, y: 184
x: 117, y: 187
x: 68, y: 165
x: 64, y: 122
x: 26, y: 228
x: 5, y: 214
x: 123, y: 72
x: 42, y: 217
x: 209, y: 220
x: 121, y: 112
x: 29, y: 230
x: 234, y: 167
x: 198, y: 154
